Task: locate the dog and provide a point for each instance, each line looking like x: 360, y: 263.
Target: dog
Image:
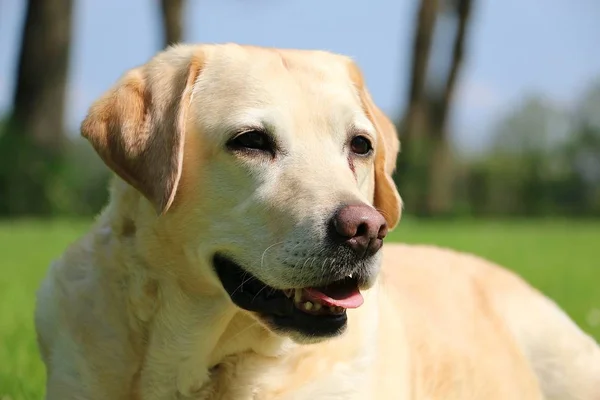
x: 241, y: 254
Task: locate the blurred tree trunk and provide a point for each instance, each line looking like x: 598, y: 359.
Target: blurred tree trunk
x: 426, y: 17
x: 413, y: 129
x: 439, y: 191
x: 32, y: 142
x: 172, y: 21
x: 426, y: 164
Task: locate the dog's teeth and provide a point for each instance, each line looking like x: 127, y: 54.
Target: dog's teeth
x: 308, y: 305
x: 350, y: 276
x: 317, y: 306
x: 339, y: 310
x: 298, y: 295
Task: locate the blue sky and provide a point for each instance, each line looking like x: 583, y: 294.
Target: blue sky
x: 516, y: 47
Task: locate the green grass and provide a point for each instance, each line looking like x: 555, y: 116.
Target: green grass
x: 561, y: 258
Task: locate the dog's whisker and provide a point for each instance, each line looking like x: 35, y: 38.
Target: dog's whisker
x: 257, y: 293
x: 323, y: 271
x: 244, y: 281
x: 304, y: 265
x: 313, y: 262
x: 262, y: 257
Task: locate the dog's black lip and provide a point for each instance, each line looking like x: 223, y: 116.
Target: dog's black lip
x: 251, y: 294
x: 247, y: 291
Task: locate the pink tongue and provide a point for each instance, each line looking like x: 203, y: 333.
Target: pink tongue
x: 341, y: 294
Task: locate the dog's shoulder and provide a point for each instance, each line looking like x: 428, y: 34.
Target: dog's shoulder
x: 452, y: 326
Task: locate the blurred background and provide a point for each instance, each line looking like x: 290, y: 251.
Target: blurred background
x: 497, y: 105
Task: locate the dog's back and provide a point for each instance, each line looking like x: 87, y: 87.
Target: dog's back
x: 469, y: 319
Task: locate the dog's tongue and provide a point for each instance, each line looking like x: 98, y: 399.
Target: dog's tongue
x: 342, y: 293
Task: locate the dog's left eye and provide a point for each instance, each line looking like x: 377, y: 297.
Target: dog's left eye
x: 252, y: 140
x: 361, y: 145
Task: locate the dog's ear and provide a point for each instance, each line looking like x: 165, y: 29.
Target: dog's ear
x: 138, y: 126
x: 386, y: 198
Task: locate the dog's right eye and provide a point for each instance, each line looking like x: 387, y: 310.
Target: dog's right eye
x: 252, y: 140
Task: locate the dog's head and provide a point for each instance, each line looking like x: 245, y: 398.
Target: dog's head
x: 276, y: 165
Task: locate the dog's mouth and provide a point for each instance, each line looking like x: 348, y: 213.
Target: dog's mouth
x: 333, y: 298
x: 312, y: 311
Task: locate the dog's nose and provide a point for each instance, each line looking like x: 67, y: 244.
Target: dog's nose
x: 360, y: 227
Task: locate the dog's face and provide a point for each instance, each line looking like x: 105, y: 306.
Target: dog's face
x: 279, y: 165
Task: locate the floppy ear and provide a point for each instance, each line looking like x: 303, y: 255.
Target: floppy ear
x: 138, y: 127
x: 386, y: 198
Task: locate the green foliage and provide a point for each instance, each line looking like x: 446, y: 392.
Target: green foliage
x: 27, y: 172
x: 558, y: 257
x: 84, y: 182
x: 38, y: 181
x: 544, y: 160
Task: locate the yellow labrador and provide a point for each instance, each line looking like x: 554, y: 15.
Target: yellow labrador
x: 239, y: 256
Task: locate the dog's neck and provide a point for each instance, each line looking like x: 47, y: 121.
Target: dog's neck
x: 191, y: 324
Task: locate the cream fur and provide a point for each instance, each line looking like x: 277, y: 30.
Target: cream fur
x: 133, y: 309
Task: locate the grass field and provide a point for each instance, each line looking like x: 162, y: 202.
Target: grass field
x: 561, y: 258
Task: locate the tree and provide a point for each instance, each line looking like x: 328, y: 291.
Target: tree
x: 413, y: 128
x: 526, y: 162
x: 172, y: 21
x: 544, y: 159
x: 533, y: 126
x: 583, y: 148
x: 439, y: 192
x: 420, y: 60
x: 32, y: 141
x: 426, y: 164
